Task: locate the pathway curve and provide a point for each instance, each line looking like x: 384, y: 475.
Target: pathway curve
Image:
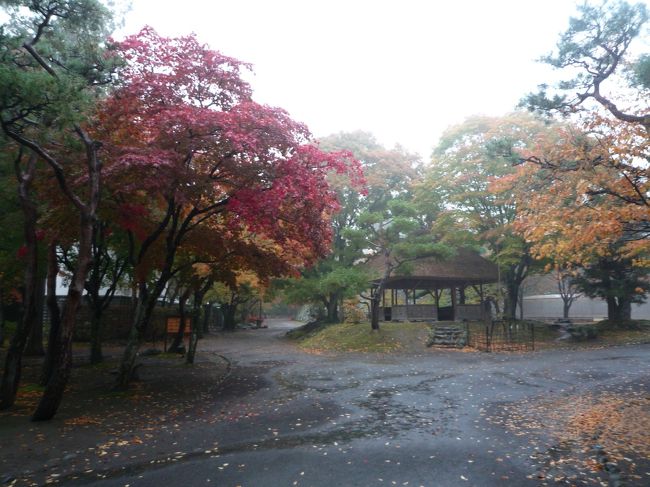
x: 436, y: 418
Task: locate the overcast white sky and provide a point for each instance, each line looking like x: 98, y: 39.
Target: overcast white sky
x: 403, y: 70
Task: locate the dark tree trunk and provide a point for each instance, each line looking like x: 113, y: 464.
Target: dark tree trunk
x: 375, y: 306
x: 54, y: 338
x: 197, y: 305
x: 332, y: 308
x: 175, y: 346
x: 53, y: 394
x: 2, y: 320
x: 512, y: 296
x: 374, y: 310
x: 146, y: 304
x: 229, y: 311
x: 13, y: 360
x: 375, y: 297
x: 194, y: 338
x: 619, y: 309
x: 34, y: 347
x: 566, y: 306
x: 207, y: 318
x: 198, y: 322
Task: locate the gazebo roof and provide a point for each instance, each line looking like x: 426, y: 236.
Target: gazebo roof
x: 466, y: 268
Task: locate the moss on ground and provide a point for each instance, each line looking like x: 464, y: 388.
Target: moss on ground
x: 411, y: 337
x: 349, y: 337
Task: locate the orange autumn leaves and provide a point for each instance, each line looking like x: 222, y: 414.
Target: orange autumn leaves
x: 582, y: 192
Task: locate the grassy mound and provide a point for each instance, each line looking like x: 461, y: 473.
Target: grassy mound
x: 623, y: 325
x: 349, y: 337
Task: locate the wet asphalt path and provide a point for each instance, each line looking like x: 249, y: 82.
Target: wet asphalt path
x: 289, y: 418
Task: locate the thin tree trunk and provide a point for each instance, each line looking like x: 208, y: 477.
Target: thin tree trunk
x: 34, y: 347
x: 566, y: 306
x: 207, y: 315
x: 2, y: 318
x: 146, y: 303
x: 13, y: 360
x: 54, y: 338
x: 196, y: 319
x: 125, y: 373
x: 175, y: 346
x: 374, y: 309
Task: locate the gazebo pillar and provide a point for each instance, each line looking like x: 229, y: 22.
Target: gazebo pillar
x: 453, y: 303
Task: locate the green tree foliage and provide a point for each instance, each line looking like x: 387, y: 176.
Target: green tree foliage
x: 594, y: 52
x: 389, y: 174
x: 458, y: 186
x: 394, y: 237
x: 53, y: 64
x: 617, y: 280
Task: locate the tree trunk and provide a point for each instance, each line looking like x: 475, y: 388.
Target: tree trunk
x: 53, y: 394
x: 175, y: 346
x: 510, y: 306
x: 2, y: 319
x: 375, y: 307
x: 13, y: 360
x: 332, y: 308
x: 229, y: 311
x: 566, y: 306
x: 205, y: 322
x: 34, y: 346
x: 374, y: 314
x: 196, y: 319
x: 141, y: 319
x: 54, y: 338
x: 619, y: 309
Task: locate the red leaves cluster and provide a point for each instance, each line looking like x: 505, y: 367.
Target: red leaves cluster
x: 185, y: 130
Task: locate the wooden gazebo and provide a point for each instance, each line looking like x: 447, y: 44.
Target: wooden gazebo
x: 433, y: 276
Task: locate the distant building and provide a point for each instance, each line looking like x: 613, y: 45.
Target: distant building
x: 542, y: 301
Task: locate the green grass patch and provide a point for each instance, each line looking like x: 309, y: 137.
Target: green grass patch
x: 606, y: 333
x: 349, y: 337
x: 26, y: 388
x: 10, y: 330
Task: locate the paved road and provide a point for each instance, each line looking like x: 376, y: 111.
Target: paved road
x: 433, y: 419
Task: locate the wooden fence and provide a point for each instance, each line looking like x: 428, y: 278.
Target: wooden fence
x: 502, y: 336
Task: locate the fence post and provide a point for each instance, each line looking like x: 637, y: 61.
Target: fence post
x: 532, y: 335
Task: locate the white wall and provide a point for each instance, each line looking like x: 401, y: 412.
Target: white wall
x: 550, y: 306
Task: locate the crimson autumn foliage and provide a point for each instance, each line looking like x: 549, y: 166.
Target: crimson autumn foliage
x: 191, y: 153
x: 185, y: 128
